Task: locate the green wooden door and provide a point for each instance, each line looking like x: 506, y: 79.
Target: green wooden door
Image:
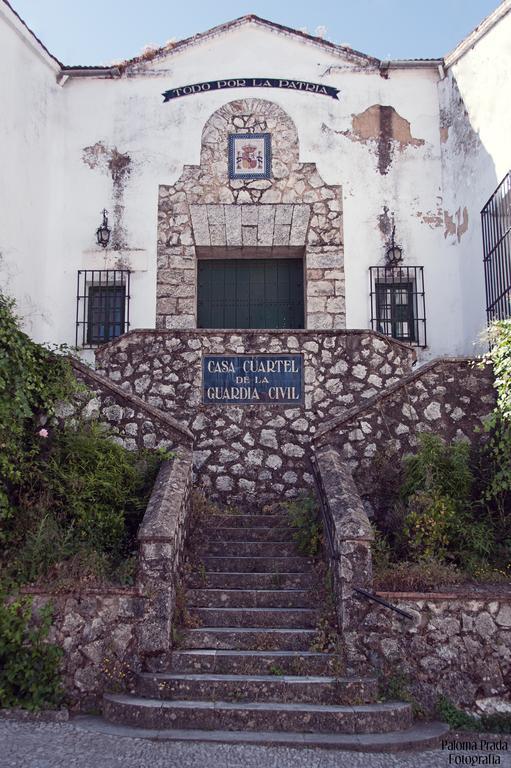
x: 250, y: 293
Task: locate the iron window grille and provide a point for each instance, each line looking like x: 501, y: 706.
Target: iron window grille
x: 102, y: 305
x: 496, y: 225
x: 398, y: 307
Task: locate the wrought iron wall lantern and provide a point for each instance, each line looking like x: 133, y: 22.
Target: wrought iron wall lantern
x: 394, y: 253
x: 103, y: 232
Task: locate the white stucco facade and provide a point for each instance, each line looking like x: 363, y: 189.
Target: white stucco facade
x: 73, y: 142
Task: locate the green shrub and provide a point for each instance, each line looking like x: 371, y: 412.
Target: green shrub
x: 82, y: 504
x: 67, y: 496
x: 33, y: 379
x: 439, y: 515
x: 306, y: 524
x: 29, y: 666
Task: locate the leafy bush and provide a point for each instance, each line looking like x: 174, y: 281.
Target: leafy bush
x: 68, y: 496
x: 82, y: 501
x: 32, y: 381
x: 307, y: 527
x: 439, y: 515
x: 29, y: 666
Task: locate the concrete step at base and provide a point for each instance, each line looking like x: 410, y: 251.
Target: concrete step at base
x: 263, y: 533
x: 247, y: 521
x: 255, y: 662
x: 258, y: 564
x: 222, y: 580
x: 301, y: 618
x: 266, y: 716
x: 419, y: 737
x: 249, y: 549
x: 256, y: 688
x: 247, y: 638
x: 251, y: 598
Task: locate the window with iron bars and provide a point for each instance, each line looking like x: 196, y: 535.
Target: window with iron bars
x: 102, y: 305
x: 496, y: 224
x: 398, y: 307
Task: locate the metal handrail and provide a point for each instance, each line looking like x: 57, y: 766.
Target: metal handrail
x: 370, y: 596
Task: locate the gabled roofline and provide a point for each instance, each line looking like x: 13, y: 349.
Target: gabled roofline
x: 14, y: 19
x: 177, y: 47
x: 479, y: 32
x: 200, y: 37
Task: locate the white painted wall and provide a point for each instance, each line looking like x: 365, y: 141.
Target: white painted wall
x: 476, y: 153
x: 28, y: 98
x: 66, y: 195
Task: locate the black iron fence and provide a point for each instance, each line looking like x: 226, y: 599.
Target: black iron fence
x: 496, y: 224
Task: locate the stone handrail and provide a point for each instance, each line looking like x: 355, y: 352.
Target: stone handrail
x: 348, y: 531
x: 179, y: 433
x: 161, y: 538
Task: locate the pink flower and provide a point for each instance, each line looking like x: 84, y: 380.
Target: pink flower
x: 43, y: 433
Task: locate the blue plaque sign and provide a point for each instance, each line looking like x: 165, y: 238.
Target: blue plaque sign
x: 252, y: 379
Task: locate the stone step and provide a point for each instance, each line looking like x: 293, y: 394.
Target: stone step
x: 278, y: 520
x: 247, y: 534
x: 244, y: 581
x: 290, y: 618
x: 247, y: 638
x: 249, y: 549
x: 257, y: 564
x: 251, y: 598
x: 267, y: 716
x: 419, y: 737
x: 275, y: 688
x: 255, y: 662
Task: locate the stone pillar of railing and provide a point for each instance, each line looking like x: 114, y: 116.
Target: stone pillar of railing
x: 348, y: 534
x: 161, y: 540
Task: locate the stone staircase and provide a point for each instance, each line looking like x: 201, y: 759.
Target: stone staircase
x: 245, y: 671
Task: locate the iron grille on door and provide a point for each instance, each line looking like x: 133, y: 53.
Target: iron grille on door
x: 102, y: 305
x: 250, y: 293
x: 496, y: 224
x: 397, y: 303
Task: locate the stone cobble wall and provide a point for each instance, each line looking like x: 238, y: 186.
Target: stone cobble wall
x: 449, y: 396
x: 97, y: 631
x: 109, y: 634
x: 254, y: 450
x: 293, y: 209
x: 132, y: 422
x: 456, y: 645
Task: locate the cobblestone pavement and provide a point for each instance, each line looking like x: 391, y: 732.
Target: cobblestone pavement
x: 63, y: 745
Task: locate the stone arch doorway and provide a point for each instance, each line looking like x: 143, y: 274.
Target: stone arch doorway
x: 292, y: 214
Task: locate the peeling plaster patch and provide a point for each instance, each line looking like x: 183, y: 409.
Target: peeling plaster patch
x: 385, y: 127
x: 455, y: 225
x: 385, y: 223
x: 117, y: 165
x: 433, y: 219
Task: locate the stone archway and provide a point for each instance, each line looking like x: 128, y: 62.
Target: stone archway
x: 294, y: 208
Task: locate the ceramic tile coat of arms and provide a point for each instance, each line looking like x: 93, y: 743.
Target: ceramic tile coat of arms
x: 249, y: 155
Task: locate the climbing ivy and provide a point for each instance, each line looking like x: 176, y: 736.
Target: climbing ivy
x: 498, y: 425
x: 29, y: 665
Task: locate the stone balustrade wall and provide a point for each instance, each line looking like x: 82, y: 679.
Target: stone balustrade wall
x: 253, y: 453
x: 449, y: 396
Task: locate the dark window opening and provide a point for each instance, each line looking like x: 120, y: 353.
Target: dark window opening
x: 102, y: 307
x: 250, y: 293
x: 398, y: 304
x: 496, y: 224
